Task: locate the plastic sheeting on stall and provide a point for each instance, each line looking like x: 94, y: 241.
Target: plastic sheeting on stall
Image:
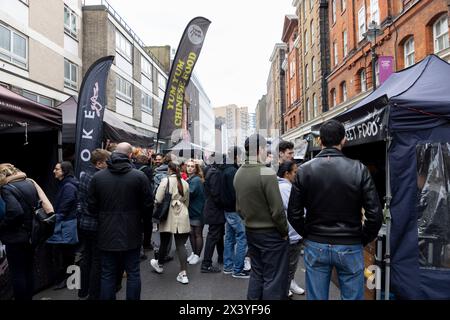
x: 433, y: 182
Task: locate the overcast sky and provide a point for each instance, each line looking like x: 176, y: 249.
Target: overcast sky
x: 234, y: 63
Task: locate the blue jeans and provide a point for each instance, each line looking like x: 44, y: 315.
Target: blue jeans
x: 112, y: 261
x: 348, y: 260
x: 233, y: 260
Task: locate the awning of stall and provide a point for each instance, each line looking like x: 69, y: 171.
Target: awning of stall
x: 114, y: 129
x: 17, y: 112
x: 365, y: 122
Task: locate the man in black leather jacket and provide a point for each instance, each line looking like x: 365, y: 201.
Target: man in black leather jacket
x: 325, y: 208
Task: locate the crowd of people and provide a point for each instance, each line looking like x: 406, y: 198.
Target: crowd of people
x: 104, y: 219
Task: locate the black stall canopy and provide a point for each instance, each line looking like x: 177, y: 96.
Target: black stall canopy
x: 114, y: 129
x: 28, y: 128
x: 17, y: 112
x: 411, y: 110
x: 419, y: 95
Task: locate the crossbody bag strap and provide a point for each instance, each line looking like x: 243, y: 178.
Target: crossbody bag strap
x: 18, y: 194
x: 168, y: 185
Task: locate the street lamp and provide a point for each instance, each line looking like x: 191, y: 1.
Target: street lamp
x: 372, y: 32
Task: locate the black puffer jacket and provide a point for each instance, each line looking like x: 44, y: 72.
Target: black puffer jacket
x: 15, y: 227
x: 228, y: 194
x: 213, y: 209
x: 119, y: 197
x: 333, y: 189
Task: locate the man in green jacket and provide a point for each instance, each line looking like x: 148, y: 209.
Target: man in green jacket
x: 258, y: 201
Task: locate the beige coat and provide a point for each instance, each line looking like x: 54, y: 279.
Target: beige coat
x: 178, y: 217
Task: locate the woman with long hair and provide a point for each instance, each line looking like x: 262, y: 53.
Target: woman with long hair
x: 196, y: 204
x: 177, y: 222
x: 15, y: 226
x: 65, y: 236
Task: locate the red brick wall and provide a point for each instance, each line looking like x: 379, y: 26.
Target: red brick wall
x: 416, y: 21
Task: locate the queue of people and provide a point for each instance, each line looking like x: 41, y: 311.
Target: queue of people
x: 104, y: 221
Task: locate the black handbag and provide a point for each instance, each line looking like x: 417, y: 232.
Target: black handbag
x: 42, y: 224
x: 161, y: 210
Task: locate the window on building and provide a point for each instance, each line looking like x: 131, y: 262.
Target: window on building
x: 408, y: 49
x: 293, y: 95
x: 335, y: 54
x: 361, y: 23
x: 440, y: 34
x: 313, y: 69
x: 291, y: 100
x: 374, y: 11
x: 344, y: 43
x: 344, y: 91
x: 147, y: 103
x: 308, y: 110
x: 123, y: 46
x: 123, y: 90
x: 292, y: 68
x: 362, y: 79
x: 306, y: 41
x: 315, y: 106
x: 70, y: 74
x: 46, y: 101
x: 333, y: 97
x: 306, y: 76
x: 333, y: 11
x: 70, y: 22
x: 313, y: 34
x: 343, y: 5
x: 162, y: 82
x: 146, y: 68
x: 13, y: 46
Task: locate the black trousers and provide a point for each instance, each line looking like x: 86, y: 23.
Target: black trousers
x: 213, y: 239
x: 20, y: 264
x: 270, y: 266
x: 63, y: 256
x: 90, y: 266
x: 147, y: 230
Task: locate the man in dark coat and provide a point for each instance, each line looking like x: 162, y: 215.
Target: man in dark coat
x: 119, y: 197
x: 214, y: 217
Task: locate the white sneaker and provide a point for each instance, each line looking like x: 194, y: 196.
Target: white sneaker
x: 290, y: 294
x: 247, y: 264
x: 190, y: 257
x: 182, y: 278
x: 155, y: 265
x: 295, y: 288
x: 195, y: 259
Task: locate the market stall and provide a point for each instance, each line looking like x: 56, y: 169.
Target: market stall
x: 29, y: 135
x: 408, y: 117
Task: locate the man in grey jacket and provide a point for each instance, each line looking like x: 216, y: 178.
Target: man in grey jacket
x: 258, y: 200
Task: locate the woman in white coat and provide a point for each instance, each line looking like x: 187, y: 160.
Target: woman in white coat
x: 177, y: 222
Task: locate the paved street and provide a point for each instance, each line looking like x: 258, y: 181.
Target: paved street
x: 215, y: 286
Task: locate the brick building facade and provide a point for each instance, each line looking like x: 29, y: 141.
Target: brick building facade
x: 293, y: 114
x: 410, y: 30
